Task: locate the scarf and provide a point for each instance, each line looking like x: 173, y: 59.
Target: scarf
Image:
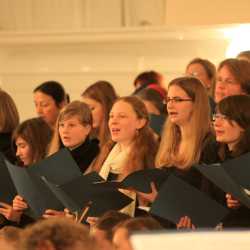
x: 115, y: 164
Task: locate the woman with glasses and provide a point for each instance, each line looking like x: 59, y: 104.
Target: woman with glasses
x: 187, y: 138
x: 233, y: 78
x: 187, y: 131
x: 232, y: 128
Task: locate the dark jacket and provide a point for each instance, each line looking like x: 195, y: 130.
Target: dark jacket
x: 86, y: 153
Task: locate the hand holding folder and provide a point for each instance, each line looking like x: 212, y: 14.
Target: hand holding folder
x: 59, y: 167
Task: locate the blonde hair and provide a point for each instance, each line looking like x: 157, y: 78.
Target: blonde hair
x: 144, y: 146
x: 198, y: 128
x: 9, y: 117
x: 75, y: 108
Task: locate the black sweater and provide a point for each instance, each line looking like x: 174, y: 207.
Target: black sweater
x: 86, y: 153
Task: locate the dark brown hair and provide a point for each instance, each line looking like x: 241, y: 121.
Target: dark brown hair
x: 54, y: 89
x: 109, y: 220
x: 37, y: 134
x: 236, y: 108
x: 147, y: 78
x: 154, y: 97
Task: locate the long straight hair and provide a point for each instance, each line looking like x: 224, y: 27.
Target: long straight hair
x: 197, y: 129
x: 144, y: 146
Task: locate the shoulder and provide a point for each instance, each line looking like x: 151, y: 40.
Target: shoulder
x: 210, y: 149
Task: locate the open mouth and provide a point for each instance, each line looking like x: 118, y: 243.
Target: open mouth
x: 115, y: 130
x: 172, y: 113
x: 219, y: 132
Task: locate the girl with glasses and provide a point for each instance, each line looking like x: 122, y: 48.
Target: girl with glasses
x: 232, y: 128
x: 187, y: 137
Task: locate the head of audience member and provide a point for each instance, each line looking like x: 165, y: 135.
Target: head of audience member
x: 123, y: 231
x: 30, y: 140
x: 100, y: 97
x: 73, y: 126
x: 244, y: 55
x: 188, y: 123
x: 102, y: 229
x: 9, y: 116
x: 49, y: 99
x: 56, y: 233
x: 204, y: 70
x: 233, y: 78
x: 232, y: 125
x: 153, y: 101
x: 9, y: 238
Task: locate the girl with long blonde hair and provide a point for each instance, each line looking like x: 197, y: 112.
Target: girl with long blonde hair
x: 188, y: 128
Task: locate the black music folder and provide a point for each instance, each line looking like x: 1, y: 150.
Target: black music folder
x: 177, y: 198
x: 82, y: 191
x: 218, y: 174
x: 33, y: 190
x: 239, y: 169
x: 139, y: 180
x: 7, y: 187
x: 58, y: 168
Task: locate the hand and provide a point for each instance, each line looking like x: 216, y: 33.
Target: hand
x: 231, y: 202
x: 50, y: 213
x: 9, y: 213
x: 92, y: 220
x: 19, y: 204
x: 185, y: 223
x: 150, y: 197
x: 69, y: 215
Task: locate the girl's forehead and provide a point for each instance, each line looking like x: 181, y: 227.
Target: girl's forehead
x: 122, y: 106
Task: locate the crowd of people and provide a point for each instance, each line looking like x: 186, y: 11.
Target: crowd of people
x: 204, y: 119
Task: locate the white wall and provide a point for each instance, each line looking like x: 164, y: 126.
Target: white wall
x: 78, y: 42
